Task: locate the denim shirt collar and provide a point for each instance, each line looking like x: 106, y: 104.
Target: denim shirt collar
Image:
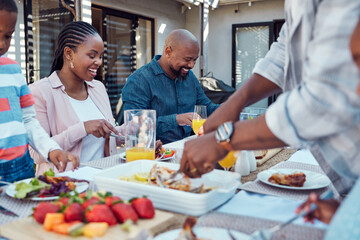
x: 156, y: 66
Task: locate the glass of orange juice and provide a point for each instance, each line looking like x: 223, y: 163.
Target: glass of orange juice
x: 199, y: 117
x: 140, y: 134
x: 228, y: 161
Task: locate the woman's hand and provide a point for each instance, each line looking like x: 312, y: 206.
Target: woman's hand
x: 60, y: 159
x: 99, y: 128
x: 324, y: 212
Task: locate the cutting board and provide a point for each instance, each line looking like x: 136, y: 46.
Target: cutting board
x: 270, y: 153
x: 29, y: 229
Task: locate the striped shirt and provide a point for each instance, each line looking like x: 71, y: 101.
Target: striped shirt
x: 14, y: 96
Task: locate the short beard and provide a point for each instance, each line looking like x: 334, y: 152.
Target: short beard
x: 178, y: 73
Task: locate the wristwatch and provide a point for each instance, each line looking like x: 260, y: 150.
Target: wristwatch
x: 223, y: 135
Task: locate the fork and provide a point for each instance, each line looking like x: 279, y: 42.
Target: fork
x: 266, y: 234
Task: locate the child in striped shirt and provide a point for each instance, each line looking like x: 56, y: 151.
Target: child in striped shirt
x: 18, y: 125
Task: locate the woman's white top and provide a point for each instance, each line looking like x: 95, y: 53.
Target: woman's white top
x: 92, y: 147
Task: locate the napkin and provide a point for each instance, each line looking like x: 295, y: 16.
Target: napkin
x: 266, y: 207
x: 85, y: 173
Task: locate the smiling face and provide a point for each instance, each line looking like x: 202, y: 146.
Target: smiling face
x: 182, y: 58
x: 355, y: 49
x: 7, y: 28
x: 87, y: 57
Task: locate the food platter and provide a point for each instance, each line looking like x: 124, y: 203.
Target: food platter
x: 10, y: 190
x: 209, y: 233
x: 193, y: 204
x: 313, y: 180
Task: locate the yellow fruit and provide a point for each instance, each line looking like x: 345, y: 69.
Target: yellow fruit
x: 52, y: 219
x: 95, y: 229
x: 124, y: 178
x: 141, y: 176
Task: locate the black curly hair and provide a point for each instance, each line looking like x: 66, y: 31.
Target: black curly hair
x: 71, y: 35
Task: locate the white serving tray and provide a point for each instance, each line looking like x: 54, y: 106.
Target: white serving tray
x: 193, y: 204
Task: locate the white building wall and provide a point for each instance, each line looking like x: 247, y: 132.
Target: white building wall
x: 221, y: 20
x: 166, y: 12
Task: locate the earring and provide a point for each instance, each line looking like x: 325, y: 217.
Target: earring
x: 71, y: 65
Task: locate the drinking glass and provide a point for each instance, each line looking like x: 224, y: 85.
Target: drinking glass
x: 140, y: 134
x: 199, y: 117
x: 228, y: 161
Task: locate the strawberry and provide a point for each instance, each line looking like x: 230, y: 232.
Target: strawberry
x: 143, y: 207
x: 90, y: 202
x: 74, y: 212
x: 100, y: 213
x: 110, y: 200
x: 62, y: 201
x: 42, y: 209
x: 123, y: 212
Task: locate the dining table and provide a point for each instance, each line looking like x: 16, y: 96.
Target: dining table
x: 255, y: 205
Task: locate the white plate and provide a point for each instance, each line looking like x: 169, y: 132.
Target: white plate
x: 313, y: 180
x: 204, y: 233
x: 10, y: 190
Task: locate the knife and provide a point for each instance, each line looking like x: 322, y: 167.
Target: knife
x: 7, y: 212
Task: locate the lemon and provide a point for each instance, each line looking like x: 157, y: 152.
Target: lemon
x: 141, y: 176
x: 124, y: 178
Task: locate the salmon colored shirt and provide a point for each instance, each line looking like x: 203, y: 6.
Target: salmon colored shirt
x: 60, y: 121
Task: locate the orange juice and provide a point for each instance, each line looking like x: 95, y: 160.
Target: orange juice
x: 228, y: 161
x: 140, y: 153
x: 196, y: 125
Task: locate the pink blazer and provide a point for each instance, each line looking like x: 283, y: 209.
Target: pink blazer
x: 58, y: 118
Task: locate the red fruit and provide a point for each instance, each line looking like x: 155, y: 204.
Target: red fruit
x: 62, y: 201
x: 143, y: 207
x: 42, y: 209
x: 100, y: 213
x: 89, y: 202
x: 74, y: 212
x: 123, y: 212
x: 109, y: 200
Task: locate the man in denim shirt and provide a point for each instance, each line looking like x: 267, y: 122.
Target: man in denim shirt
x: 168, y: 85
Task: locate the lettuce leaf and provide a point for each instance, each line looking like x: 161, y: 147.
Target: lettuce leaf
x: 23, y: 188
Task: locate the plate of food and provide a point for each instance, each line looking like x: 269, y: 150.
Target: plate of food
x: 190, y: 231
x: 160, y: 155
x: 208, y: 233
x: 294, y: 179
x: 45, y: 188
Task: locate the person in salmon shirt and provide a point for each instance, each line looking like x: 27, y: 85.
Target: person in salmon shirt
x: 18, y: 125
x: 344, y: 218
x: 71, y: 106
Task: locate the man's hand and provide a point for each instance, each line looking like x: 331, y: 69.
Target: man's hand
x: 200, y: 155
x: 324, y: 212
x: 184, y: 119
x: 60, y: 159
x: 99, y: 128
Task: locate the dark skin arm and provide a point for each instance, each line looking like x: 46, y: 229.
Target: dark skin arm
x: 253, y: 90
x: 201, y: 154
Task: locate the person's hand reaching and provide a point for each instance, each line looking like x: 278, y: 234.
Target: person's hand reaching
x: 325, y: 209
x: 60, y: 159
x: 99, y: 128
x: 184, y: 119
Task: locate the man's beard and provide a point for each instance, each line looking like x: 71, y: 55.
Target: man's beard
x: 178, y: 73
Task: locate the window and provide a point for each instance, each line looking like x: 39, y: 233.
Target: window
x: 44, y: 22
x: 129, y: 44
x: 251, y: 42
